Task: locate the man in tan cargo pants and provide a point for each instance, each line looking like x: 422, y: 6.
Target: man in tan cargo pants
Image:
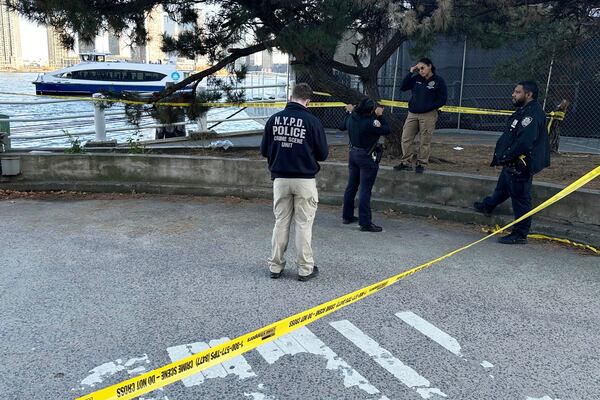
x: 428, y: 94
x: 294, y: 142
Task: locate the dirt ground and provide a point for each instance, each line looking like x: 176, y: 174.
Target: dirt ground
x: 472, y: 159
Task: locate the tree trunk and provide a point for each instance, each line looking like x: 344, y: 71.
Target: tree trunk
x: 555, y: 128
x: 325, y: 81
x: 393, y: 142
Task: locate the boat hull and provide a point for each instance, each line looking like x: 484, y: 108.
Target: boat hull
x: 84, y: 89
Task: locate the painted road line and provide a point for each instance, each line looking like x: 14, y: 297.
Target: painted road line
x: 431, y: 331
x: 541, y: 398
x: 303, y: 340
x: 236, y: 366
x: 381, y: 356
x: 259, y: 395
x: 182, y: 351
x: 270, y: 351
x: 99, y: 373
x: 134, y: 366
x: 437, y: 335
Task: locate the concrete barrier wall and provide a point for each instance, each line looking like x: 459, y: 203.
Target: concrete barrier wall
x: 448, y: 193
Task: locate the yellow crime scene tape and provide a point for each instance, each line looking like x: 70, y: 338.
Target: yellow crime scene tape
x: 565, y: 241
x: 583, y: 246
x: 553, y: 116
x: 178, y: 370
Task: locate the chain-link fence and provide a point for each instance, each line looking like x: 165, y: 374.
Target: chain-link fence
x: 469, y: 75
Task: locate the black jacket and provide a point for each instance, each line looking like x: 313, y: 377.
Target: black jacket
x: 293, y: 143
x: 363, y: 130
x: 525, y: 134
x: 427, y: 94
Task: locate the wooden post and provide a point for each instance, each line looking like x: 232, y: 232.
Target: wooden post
x: 554, y: 128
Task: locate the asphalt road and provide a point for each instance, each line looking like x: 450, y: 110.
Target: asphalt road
x: 93, y: 292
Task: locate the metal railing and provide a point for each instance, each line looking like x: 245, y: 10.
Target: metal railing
x: 27, y: 130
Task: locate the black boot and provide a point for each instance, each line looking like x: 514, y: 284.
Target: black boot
x: 370, y: 228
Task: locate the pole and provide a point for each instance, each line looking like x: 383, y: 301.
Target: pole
x: 262, y: 71
x: 395, y: 75
x: 4, y: 133
x: 287, y: 89
x: 99, y: 120
x: 548, y: 82
x: 462, y: 80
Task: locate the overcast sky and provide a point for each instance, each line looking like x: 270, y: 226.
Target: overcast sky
x: 34, y: 42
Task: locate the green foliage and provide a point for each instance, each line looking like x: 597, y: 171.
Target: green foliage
x: 216, y: 90
x: 134, y: 143
x: 313, y: 30
x: 542, y: 43
x: 75, y: 144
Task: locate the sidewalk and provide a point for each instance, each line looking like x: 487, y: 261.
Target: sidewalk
x: 251, y: 139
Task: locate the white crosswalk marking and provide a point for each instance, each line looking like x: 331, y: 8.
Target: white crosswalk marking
x: 431, y: 331
x: 236, y: 366
x: 98, y: 374
x: 303, y: 340
x: 402, y: 372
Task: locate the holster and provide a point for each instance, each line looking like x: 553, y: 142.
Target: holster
x: 377, y: 152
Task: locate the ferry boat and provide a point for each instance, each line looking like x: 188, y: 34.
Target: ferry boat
x: 94, y: 74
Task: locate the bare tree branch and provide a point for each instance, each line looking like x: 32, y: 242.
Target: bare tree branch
x: 355, y: 56
x: 386, y: 52
x: 349, y: 69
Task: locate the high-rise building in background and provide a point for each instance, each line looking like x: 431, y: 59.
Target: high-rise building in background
x: 58, y: 55
x: 114, y: 45
x: 10, y: 38
x: 156, y: 27
x: 151, y: 52
x: 85, y: 47
x: 157, y: 24
x: 267, y: 60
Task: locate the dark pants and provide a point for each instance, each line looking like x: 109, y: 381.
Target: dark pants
x: 518, y: 188
x: 363, y: 171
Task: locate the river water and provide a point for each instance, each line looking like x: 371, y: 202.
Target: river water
x: 27, y: 120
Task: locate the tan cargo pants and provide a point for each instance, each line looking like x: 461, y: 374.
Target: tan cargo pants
x: 415, y: 125
x: 297, y: 198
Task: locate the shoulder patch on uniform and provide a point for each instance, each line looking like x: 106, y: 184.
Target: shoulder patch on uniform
x: 526, y: 121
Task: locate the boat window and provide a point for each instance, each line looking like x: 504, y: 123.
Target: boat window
x: 117, y: 75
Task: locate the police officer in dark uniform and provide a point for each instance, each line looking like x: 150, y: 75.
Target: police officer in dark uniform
x: 523, y: 150
x: 365, y: 125
x: 429, y: 93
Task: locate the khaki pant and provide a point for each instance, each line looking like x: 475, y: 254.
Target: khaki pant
x: 422, y: 125
x: 297, y: 198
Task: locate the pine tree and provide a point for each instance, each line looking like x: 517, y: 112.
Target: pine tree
x: 311, y: 31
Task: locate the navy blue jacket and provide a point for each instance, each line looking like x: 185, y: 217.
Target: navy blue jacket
x: 427, y: 94
x: 294, y: 142
x: 525, y: 134
x: 363, y: 130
